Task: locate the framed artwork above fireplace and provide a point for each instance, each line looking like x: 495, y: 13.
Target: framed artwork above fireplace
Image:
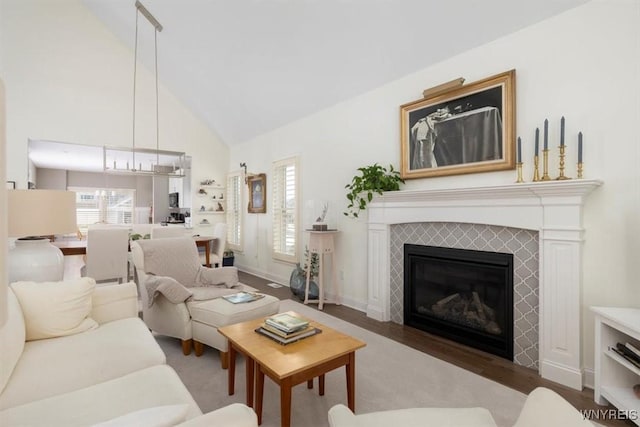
x: 466, y: 129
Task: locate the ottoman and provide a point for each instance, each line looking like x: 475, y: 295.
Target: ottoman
x: 207, y: 316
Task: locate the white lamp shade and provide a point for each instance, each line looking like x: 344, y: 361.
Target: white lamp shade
x: 41, y: 212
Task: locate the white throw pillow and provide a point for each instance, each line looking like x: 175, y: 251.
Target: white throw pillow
x: 159, y: 416
x: 55, y: 309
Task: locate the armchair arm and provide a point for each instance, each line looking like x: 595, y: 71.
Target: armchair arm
x: 114, y: 302
x: 341, y: 416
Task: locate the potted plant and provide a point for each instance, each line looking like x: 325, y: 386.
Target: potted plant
x: 298, y: 279
x: 372, y: 179
x: 227, y: 258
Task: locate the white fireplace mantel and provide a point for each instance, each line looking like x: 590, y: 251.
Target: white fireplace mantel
x: 553, y: 208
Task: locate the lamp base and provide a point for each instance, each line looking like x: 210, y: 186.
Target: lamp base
x: 35, y: 259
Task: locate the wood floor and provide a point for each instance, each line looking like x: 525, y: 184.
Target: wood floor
x: 489, y: 366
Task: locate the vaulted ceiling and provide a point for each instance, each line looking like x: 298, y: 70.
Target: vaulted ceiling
x: 246, y: 67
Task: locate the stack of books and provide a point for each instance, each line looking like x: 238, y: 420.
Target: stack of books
x: 286, y: 328
x: 629, y: 352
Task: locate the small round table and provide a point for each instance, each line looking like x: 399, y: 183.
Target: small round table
x: 321, y: 243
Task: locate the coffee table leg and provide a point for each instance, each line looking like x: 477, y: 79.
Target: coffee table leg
x: 249, y: 374
x: 321, y: 385
x: 232, y: 369
x: 259, y: 391
x: 351, y: 381
x: 310, y: 383
x: 285, y: 402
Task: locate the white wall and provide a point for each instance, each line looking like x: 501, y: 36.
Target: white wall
x: 583, y: 64
x: 69, y: 79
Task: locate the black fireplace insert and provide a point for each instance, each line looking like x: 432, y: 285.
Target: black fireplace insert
x: 460, y: 294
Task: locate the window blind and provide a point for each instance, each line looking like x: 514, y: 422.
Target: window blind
x: 234, y: 211
x: 103, y: 205
x: 285, y: 210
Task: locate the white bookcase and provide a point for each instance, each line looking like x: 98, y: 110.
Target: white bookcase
x: 614, y: 375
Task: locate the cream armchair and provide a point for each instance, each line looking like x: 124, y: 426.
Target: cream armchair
x: 195, y: 322
x: 542, y: 408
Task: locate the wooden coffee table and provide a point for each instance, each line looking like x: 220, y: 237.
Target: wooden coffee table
x: 292, y: 364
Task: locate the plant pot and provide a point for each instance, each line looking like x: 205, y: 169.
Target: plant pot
x: 298, y: 283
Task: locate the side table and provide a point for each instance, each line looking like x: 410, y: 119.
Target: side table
x: 321, y: 243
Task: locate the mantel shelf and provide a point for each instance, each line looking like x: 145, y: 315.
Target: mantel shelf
x: 569, y: 188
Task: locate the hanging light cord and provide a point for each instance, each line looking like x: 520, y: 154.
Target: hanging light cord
x: 135, y: 71
x: 157, y: 101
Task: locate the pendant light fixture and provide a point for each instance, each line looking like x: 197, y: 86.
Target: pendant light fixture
x: 137, y: 160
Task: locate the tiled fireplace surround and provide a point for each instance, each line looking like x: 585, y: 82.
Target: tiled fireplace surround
x: 540, y: 223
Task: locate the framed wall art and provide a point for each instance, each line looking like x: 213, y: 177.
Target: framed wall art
x: 257, y: 193
x: 466, y: 129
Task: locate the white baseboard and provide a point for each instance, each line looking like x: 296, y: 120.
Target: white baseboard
x: 562, y: 374
x: 589, y: 378
x: 284, y: 281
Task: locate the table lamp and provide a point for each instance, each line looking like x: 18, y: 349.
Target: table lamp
x: 37, y: 213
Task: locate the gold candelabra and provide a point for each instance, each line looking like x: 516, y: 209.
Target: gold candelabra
x: 545, y: 166
x: 580, y: 170
x: 536, y: 175
x: 519, y: 167
x: 562, y: 177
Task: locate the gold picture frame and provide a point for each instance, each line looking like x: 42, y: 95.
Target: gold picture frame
x: 467, y: 129
x: 257, y: 193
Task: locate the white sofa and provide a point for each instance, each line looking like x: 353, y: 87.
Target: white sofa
x: 115, y: 371
x: 543, y: 408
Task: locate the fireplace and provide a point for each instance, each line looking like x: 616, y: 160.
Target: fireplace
x: 551, y: 209
x: 463, y: 295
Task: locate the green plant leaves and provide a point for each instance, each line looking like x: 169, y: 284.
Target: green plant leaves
x: 374, y: 178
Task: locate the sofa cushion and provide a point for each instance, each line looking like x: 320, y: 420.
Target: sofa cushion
x: 12, y: 336
x: 60, y: 365
x: 55, y: 309
x: 159, y: 416
x: 147, y: 388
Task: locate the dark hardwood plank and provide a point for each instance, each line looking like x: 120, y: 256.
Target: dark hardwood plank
x: 487, y: 365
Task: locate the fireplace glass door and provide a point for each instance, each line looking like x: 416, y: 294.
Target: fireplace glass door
x: 460, y: 294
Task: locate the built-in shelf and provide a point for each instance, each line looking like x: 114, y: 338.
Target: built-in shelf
x: 211, y: 201
x: 615, y: 376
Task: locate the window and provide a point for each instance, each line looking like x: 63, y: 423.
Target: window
x: 104, y: 205
x: 234, y: 211
x: 285, y: 210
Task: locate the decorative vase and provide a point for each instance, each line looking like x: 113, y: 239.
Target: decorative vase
x: 35, y: 259
x: 298, y: 283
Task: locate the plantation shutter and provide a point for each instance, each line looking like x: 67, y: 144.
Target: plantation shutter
x: 285, y: 210
x: 234, y: 211
x: 103, y: 205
